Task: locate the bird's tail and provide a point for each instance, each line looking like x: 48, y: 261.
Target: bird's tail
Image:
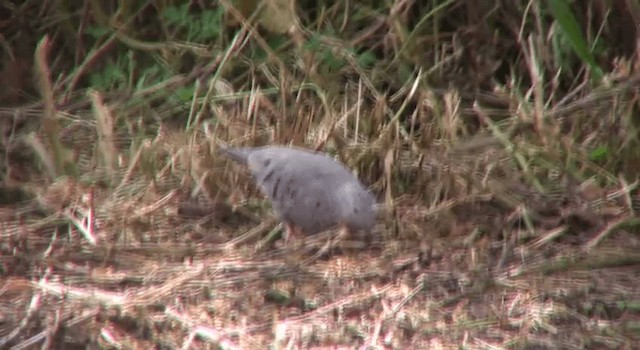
x: 239, y: 155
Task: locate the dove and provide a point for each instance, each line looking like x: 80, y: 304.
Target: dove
x: 310, y: 192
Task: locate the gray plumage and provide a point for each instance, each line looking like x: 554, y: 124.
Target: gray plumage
x: 309, y: 190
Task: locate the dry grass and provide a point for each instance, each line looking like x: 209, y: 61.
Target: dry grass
x: 508, y: 174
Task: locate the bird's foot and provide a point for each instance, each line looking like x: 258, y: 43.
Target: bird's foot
x: 292, y: 235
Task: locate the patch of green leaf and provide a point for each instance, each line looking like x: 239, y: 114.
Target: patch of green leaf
x: 202, y: 27
x: 331, y: 61
x: 185, y: 94
x: 570, y: 27
x: 113, y: 75
x: 599, y: 154
x: 96, y: 32
x: 366, y: 59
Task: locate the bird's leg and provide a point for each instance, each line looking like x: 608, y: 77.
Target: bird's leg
x: 291, y: 233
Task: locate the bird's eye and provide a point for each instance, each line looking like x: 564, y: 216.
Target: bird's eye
x: 266, y: 162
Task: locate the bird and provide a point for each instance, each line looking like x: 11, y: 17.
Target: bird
x: 310, y: 192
